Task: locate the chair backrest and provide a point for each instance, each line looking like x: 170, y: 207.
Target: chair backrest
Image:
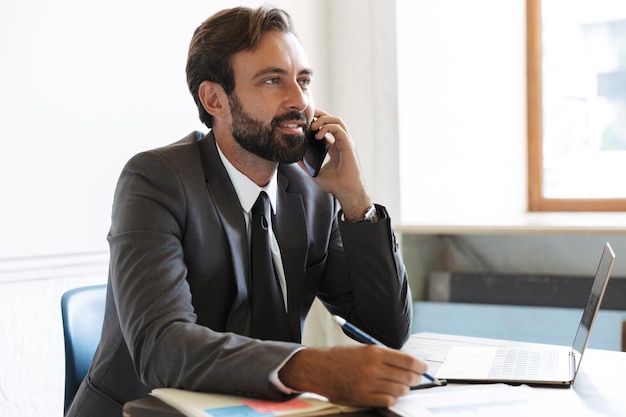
x: 82, y: 310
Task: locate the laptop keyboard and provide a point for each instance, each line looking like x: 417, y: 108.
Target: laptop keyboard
x: 527, y: 363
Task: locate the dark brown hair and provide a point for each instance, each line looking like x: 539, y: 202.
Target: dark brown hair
x: 221, y: 36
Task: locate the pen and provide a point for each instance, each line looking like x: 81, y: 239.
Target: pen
x: 366, y: 338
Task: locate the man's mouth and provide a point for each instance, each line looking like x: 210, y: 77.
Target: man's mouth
x: 291, y: 128
x: 291, y: 124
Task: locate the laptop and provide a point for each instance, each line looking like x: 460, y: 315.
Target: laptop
x: 536, y: 364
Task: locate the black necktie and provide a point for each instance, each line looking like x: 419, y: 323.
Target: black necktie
x: 269, y: 319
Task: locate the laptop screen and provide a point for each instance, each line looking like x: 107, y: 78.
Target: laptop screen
x: 593, y: 303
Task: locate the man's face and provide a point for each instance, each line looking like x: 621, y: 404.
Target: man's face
x: 268, y: 142
x: 271, y: 107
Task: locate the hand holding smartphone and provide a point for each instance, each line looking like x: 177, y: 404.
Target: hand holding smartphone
x: 316, y: 151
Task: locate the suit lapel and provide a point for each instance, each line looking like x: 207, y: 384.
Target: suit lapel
x: 223, y: 194
x: 289, y: 228
x: 291, y: 234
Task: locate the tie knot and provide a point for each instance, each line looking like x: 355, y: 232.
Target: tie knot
x: 261, y: 208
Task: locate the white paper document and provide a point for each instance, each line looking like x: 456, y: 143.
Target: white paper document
x: 491, y: 400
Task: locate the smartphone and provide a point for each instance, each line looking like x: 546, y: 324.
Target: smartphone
x: 315, y: 154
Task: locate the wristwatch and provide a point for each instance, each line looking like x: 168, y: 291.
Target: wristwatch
x: 371, y: 215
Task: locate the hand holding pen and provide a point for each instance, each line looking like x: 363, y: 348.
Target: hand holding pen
x: 366, y: 338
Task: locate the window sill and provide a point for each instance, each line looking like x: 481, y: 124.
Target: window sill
x: 522, y: 223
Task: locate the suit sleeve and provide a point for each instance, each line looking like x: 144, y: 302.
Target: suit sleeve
x: 366, y: 282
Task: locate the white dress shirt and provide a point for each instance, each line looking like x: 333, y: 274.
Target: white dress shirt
x: 248, y: 192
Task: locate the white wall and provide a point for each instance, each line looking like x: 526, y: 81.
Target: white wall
x: 84, y: 86
x: 462, y: 108
x: 363, y: 89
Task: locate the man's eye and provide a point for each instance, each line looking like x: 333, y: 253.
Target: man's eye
x: 272, y: 80
x: 305, y: 82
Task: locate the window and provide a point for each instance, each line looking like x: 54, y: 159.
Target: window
x: 576, y: 74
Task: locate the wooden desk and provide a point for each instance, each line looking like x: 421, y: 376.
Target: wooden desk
x: 599, y: 383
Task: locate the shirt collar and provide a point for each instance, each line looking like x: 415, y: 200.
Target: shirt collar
x: 247, y: 191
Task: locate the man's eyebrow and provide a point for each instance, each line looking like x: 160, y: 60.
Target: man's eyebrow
x: 277, y: 70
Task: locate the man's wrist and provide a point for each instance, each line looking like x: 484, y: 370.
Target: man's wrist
x: 369, y: 216
x: 275, y: 378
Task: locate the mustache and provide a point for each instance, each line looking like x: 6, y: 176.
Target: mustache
x: 293, y: 115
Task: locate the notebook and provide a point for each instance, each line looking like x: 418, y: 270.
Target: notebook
x: 539, y: 364
x: 203, y: 404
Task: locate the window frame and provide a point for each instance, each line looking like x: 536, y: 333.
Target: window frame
x: 536, y: 200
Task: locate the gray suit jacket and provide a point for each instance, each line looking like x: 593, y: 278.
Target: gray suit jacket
x: 177, y: 311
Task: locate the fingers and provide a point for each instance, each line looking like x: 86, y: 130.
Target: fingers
x: 403, y: 368
x: 325, y: 123
x: 364, y: 376
x: 402, y: 360
x: 386, y: 374
x: 341, y: 174
x: 321, y: 117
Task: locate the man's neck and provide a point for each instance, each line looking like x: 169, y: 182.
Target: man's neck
x: 259, y: 170
x: 246, y: 189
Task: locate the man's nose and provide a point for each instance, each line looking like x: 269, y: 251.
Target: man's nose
x: 296, y: 98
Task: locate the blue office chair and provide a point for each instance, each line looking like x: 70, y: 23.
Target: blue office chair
x: 82, y: 310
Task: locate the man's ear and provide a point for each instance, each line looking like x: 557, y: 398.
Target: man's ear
x: 213, y: 98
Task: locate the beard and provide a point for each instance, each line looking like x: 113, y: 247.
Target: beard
x: 266, y: 141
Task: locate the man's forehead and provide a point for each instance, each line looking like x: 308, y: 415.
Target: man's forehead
x: 276, y: 52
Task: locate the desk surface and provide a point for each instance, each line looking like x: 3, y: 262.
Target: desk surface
x: 599, y: 383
